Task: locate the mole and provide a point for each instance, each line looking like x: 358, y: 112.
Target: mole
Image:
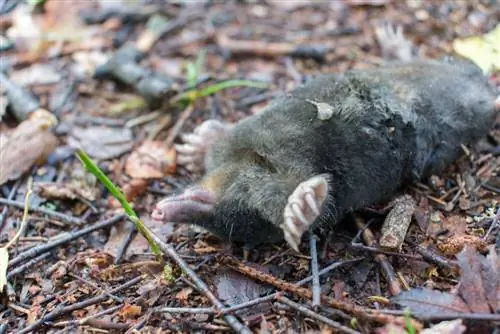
x: 339, y: 143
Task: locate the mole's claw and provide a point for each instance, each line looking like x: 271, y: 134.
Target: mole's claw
x: 303, y: 208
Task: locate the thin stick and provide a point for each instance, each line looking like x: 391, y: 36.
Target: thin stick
x: 58, y: 215
x: 12, y: 193
x: 78, y: 306
x: 448, y: 315
x: 311, y: 314
x: 178, y: 125
x: 35, y: 251
x: 316, y: 288
x: 24, y: 221
x: 29, y: 264
x: 231, y: 320
x: 355, y: 310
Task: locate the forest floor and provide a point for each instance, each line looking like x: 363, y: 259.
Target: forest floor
x: 79, y: 265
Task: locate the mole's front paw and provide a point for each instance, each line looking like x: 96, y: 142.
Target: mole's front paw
x: 303, y: 207
x: 393, y: 43
x: 192, y: 153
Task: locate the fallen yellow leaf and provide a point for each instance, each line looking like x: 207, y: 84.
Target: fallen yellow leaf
x: 483, y: 50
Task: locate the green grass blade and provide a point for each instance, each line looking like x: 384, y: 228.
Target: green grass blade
x: 92, y: 168
x: 230, y: 84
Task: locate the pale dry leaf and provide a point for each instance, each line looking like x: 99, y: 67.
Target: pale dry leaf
x: 4, y: 262
x: 325, y: 111
x: 30, y: 143
x: 446, y: 327
x: 36, y: 74
x: 483, y: 50
x: 101, y: 142
x: 66, y: 191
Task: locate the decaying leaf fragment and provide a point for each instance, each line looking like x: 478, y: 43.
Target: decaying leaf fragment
x: 30, y: 143
x: 151, y: 160
x: 477, y: 290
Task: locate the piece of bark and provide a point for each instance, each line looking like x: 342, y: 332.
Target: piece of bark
x: 397, y: 222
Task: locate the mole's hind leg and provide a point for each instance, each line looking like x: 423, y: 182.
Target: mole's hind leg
x: 393, y: 43
x: 191, y: 154
x: 303, y: 207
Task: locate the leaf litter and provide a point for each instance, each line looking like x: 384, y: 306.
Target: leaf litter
x: 55, y: 48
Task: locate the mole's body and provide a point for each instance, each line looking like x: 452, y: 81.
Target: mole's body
x: 337, y: 144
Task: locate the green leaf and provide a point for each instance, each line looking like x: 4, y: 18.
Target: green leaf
x: 92, y: 168
x: 193, y: 95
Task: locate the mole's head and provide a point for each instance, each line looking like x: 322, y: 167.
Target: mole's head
x: 237, y: 202
x: 249, y: 203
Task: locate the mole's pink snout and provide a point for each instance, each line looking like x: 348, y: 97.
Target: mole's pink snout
x: 158, y: 214
x: 497, y: 104
x: 184, y: 207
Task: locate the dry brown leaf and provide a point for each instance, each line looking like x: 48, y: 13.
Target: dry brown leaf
x: 151, y: 160
x: 183, y: 295
x: 30, y: 143
x: 430, y: 301
x: 454, y: 244
x: 391, y: 329
x: 479, y: 281
x: 117, y: 235
x: 66, y: 191
x: 130, y: 311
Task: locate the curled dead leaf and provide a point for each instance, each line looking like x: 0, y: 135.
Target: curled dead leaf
x: 130, y: 311
x: 29, y: 144
x: 183, y: 295
x: 151, y: 160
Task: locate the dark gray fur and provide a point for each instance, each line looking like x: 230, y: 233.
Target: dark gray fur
x: 391, y: 126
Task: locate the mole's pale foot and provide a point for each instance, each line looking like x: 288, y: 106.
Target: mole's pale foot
x: 303, y: 207
x: 192, y: 153
x: 393, y: 43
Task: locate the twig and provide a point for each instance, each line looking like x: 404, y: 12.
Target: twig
x: 104, y: 291
x: 316, y: 288
x: 383, y: 251
x: 163, y: 123
x: 58, y: 215
x: 447, y: 315
x: 357, y: 311
x: 35, y: 251
x: 436, y: 258
x: 397, y: 222
x: 178, y: 125
x: 211, y: 310
x: 381, y: 259
x: 310, y: 313
x: 24, y: 221
x: 78, y: 306
x: 232, y: 321
x: 29, y: 264
x: 494, y: 224
x: 12, y: 194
